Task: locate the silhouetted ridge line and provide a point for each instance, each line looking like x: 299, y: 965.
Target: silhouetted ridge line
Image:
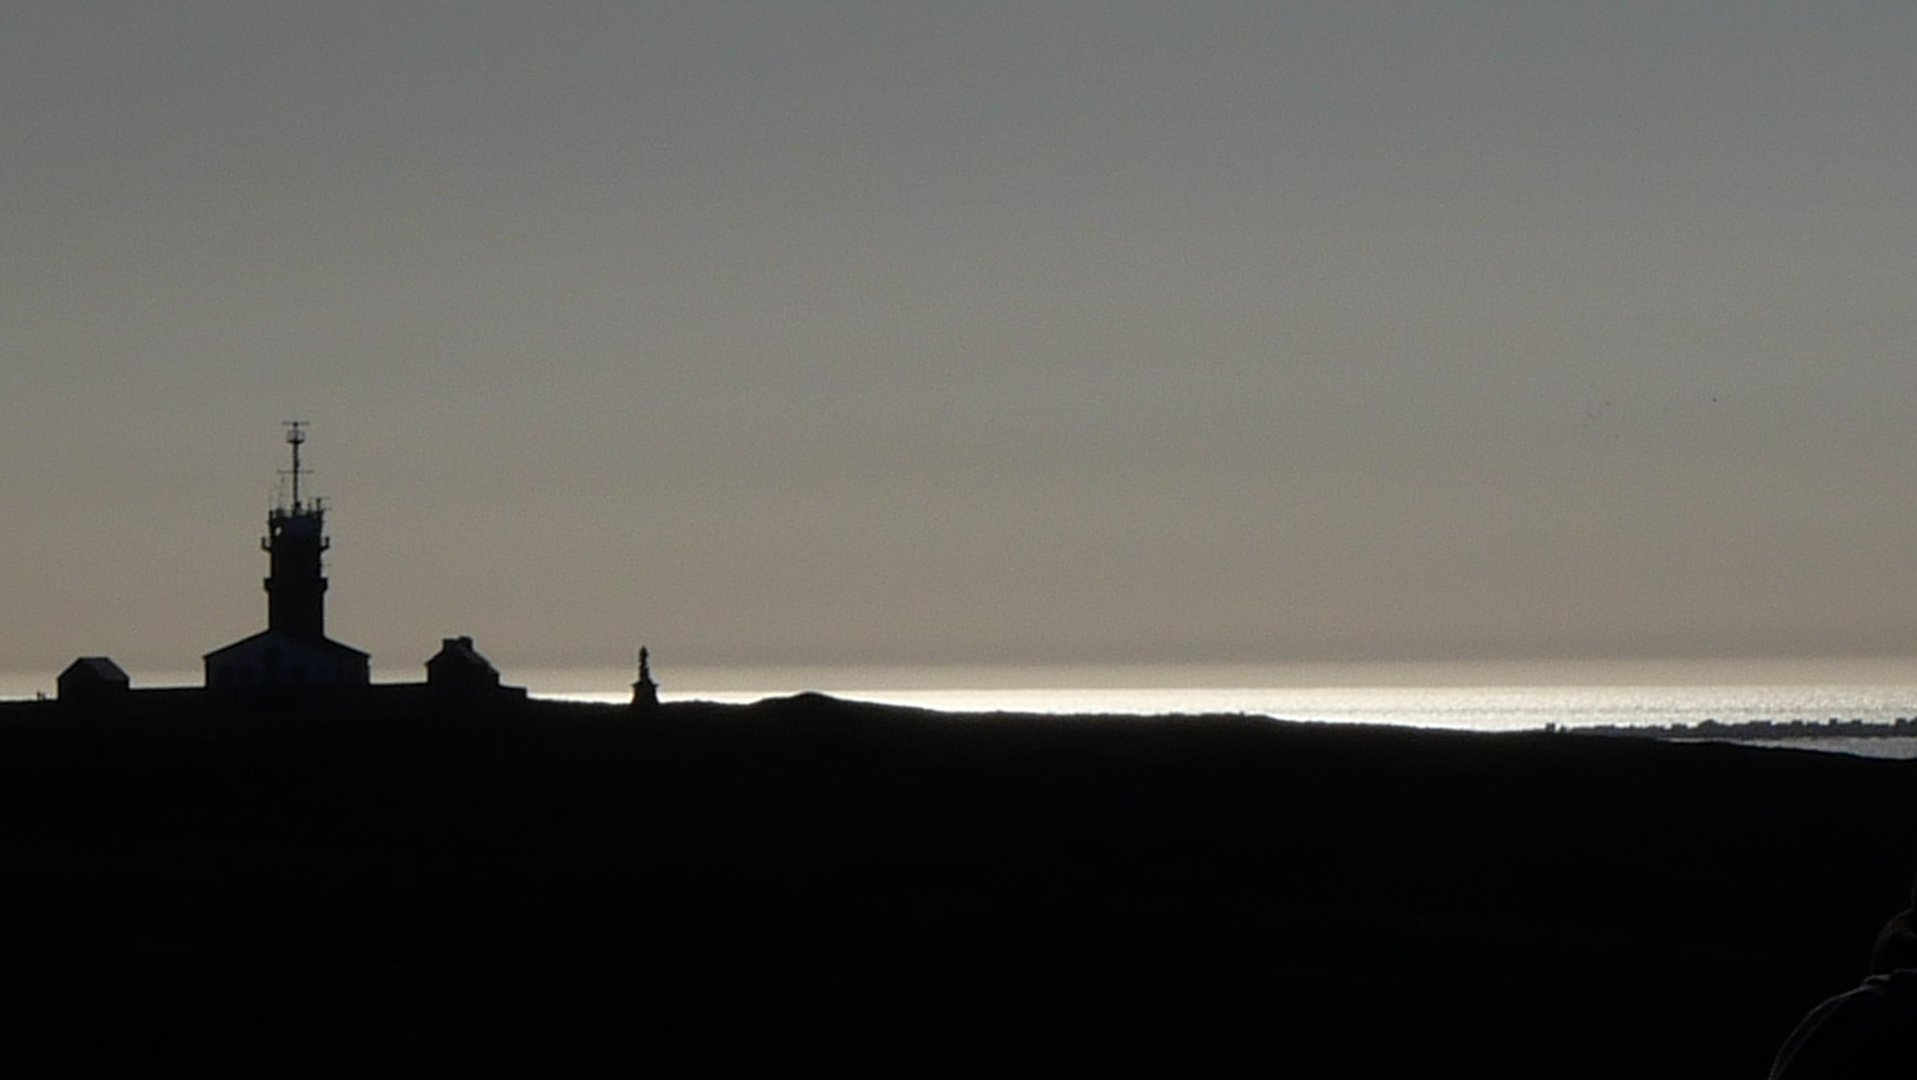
x: 852, y: 883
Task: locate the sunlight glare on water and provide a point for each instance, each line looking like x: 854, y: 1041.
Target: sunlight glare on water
x: 1504, y: 697
x: 1473, y: 697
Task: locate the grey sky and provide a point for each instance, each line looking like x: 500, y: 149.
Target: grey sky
x: 845, y: 333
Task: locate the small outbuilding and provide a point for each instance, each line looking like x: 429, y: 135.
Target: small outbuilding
x: 458, y: 671
x: 93, y: 680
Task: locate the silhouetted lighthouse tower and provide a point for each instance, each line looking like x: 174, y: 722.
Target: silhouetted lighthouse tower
x: 292, y: 657
x: 295, y: 539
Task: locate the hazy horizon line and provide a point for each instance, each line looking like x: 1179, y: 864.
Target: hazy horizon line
x: 777, y: 678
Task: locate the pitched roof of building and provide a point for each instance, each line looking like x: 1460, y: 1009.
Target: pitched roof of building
x: 98, y: 667
x: 460, y: 650
x: 327, y: 645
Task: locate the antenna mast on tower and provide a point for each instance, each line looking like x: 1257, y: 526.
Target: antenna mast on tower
x: 295, y: 435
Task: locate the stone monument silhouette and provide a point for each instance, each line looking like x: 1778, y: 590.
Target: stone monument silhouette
x: 645, y: 692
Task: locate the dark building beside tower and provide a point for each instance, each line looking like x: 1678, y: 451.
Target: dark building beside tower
x: 293, y: 654
x: 92, y: 680
x: 458, y: 672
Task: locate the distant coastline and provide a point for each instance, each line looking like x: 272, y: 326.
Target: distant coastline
x: 1823, y: 714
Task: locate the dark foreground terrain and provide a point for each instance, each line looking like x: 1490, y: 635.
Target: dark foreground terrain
x: 808, y: 881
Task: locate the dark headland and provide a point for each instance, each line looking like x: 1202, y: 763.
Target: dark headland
x: 696, y: 887
x: 293, y: 869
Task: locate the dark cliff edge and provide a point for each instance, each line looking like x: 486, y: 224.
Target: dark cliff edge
x: 809, y: 881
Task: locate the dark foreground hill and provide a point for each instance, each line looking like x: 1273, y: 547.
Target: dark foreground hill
x: 808, y: 881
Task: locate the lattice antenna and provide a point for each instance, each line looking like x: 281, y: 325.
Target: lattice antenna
x: 295, y: 437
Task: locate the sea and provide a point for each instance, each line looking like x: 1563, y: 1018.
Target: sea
x: 1487, y: 697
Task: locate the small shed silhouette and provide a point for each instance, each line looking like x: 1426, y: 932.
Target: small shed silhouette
x: 93, y: 680
x: 457, y: 670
